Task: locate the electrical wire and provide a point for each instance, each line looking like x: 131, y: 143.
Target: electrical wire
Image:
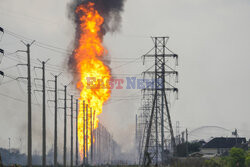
x: 130, y: 62
x: 55, y: 48
x: 16, y: 99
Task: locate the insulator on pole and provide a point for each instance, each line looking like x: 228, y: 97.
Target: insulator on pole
x: 2, y: 73
x: 1, y: 35
x: 1, y: 76
x: 1, y: 29
x: 1, y: 54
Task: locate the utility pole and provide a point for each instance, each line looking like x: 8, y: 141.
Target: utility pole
x: 91, y: 132
x: 87, y: 135
x: 94, y: 136
x: 76, y: 132
x: 156, y: 112
x: 136, y: 138
x: 235, y: 133
x: 84, y: 137
x: 55, y: 119
x: 43, y: 113
x: 71, y: 135
x: 29, y: 157
x: 55, y: 125
x: 187, y: 142
x: 29, y: 110
x: 65, y: 127
x: 9, y: 144
x: 99, y: 144
x: 182, y: 137
x: 109, y: 146
x: 44, y: 118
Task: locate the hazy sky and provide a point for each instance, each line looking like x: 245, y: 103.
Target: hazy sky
x: 211, y: 38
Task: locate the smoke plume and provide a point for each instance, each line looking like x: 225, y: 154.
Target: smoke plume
x: 110, y: 10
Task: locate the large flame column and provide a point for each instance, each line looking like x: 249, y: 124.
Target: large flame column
x: 94, y: 75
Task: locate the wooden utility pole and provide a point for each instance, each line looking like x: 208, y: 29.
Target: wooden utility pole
x: 29, y: 157
x: 43, y: 113
x: 71, y: 133
x: 91, y: 133
x: 29, y: 110
x: 44, y: 117
x: 55, y: 125
x: 99, y: 143
x: 84, y: 125
x: 94, y: 136
x: 65, y: 127
x: 187, y: 142
x: 76, y: 132
x: 87, y: 134
x: 55, y: 118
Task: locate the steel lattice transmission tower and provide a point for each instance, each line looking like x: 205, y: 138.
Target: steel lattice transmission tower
x: 157, y: 134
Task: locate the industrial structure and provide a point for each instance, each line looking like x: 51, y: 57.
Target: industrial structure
x: 154, y: 132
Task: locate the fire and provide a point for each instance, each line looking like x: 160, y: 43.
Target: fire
x: 88, y: 64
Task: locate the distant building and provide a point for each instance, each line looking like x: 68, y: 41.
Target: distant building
x: 221, y: 145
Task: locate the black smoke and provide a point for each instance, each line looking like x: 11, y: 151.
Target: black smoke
x: 110, y: 10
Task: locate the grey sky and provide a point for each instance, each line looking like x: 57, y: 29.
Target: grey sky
x: 211, y: 37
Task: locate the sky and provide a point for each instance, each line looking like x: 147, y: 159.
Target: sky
x: 211, y: 38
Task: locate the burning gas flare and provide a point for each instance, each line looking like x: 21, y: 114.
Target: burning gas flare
x: 88, y: 56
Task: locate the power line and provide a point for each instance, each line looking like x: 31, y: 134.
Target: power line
x: 130, y: 62
x: 16, y: 99
x: 60, y: 49
x: 18, y: 14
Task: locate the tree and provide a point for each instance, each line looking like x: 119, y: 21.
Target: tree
x: 192, y: 147
x: 247, y: 161
x: 237, y: 157
x: 212, y: 163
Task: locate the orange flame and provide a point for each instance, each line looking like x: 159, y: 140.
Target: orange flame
x: 88, y: 64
